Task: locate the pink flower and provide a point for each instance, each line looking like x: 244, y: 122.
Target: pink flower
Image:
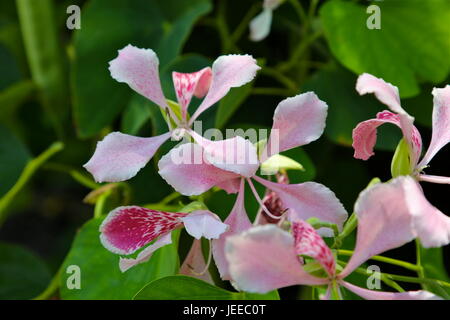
x: 297, y: 121
x: 365, y: 134
x: 265, y: 258
x: 119, y: 156
x: 128, y: 229
x: 260, y: 25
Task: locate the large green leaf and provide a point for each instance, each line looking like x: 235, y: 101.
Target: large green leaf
x: 100, y: 274
x: 13, y: 158
x: 23, y: 275
x: 346, y: 108
x: 413, y: 42
x: 434, y: 268
x: 188, y: 288
x: 109, y: 25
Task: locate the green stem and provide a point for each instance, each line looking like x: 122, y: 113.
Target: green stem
x: 274, y: 73
x: 272, y: 91
x: 420, y: 270
x: 396, y: 262
x: 78, y: 176
x: 243, y: 25
x: 299, y: 10
x: 28, y: 172
x: 100, y: 204
x: 51, y: 288
x: 300, y: 50
x: 349, y: 226
x: 45, y: 57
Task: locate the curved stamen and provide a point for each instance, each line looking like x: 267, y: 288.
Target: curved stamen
x: 261, y: 203
x: 207, y: 263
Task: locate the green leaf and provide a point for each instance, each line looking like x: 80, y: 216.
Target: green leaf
x: 13, y: 158
x: 162, y: 25
x: 23, y: 275
x: 136, y: 114
x: 100, y: 274
x: 434, y: 268
x: 413, y: 42
x: 187, y: 288
x: 346, y: 108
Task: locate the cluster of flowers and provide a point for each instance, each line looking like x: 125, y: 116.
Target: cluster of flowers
x: 279, y: 247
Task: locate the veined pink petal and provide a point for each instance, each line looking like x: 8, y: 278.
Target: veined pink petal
x: 308, y: 242
x: 185, y: 169
x: 307, y: 200
x: 441, y: 123
x: 227, y: 72
x: 384, y: 91
x: 188, y: 84
x: 195, y: 260
x: 139, y: 69
x: 412, y: 137
x: 230, y: 186
x: 260, y: 25
x: 263, y: 258
x: 297, y: 121
x: 384, y: 221
x: 119, y: 156
x: 203, y: 223
x: 383, y: 295
x: 236, y: 154
x: 237, y: 222
x: 434, y: 179
x: 145, y: 255
x: 127, y: 229
x: 431, y: 226
x: 365, y: 135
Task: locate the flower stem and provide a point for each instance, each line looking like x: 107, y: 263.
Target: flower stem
x: 28, y: 172
x: 396, y: 262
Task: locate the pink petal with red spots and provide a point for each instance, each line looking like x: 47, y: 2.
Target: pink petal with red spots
x: 441, y: 123
x: 365, y: 135
x: 382, y: 295
x: 297, y: 121
x: 236, y: 154
x: 307, y: 200
x: 384, y: 91
x: 308, y: 242
x: 185, y: 169
x: 188, y: 84
x: 203, y: 223
x: 227, y: 72
x: 195, y: 261
x: 146, y: 254
x: 263, y: 258
x: 119, y: 156
x: 237, y: 222
x: 139, y: 69
x: 127, y: 229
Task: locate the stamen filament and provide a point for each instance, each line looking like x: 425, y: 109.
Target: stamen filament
x: 261, y: 203
x: 207, y: 263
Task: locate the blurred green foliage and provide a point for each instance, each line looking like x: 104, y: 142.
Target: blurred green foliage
x: 55, y: 85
